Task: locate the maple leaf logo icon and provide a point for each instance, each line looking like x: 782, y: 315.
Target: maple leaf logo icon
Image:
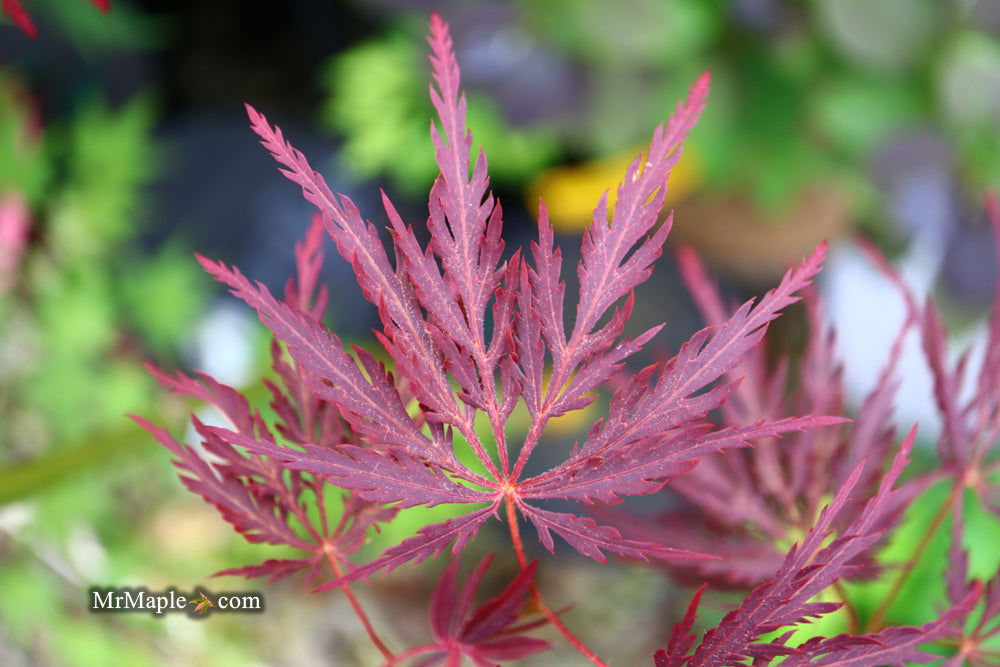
x: 202, y: 603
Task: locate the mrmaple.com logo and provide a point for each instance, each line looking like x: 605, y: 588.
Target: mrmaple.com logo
x: 157, y: 603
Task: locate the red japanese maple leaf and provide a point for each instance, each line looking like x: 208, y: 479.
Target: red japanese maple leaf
x: 472, y: 335
x: 971, y: 429
x: 741, y: 504
x: 974, y: 642
x: 788, y: 598
x: 483, y: 635
x: 261, y: 499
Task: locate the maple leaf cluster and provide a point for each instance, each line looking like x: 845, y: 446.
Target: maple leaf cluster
x: 743, y: 504
x: 260, y: 498
x: 474, y: 331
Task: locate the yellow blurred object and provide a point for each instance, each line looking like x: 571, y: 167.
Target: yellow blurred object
x: 189, y: 529
x: 571, y: 423
x: 571, y: 192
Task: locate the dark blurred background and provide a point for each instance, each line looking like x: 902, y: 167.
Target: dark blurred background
x: 124, y: 148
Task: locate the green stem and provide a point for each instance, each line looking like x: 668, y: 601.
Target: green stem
x: 854, y: 621
x: 877, y: 621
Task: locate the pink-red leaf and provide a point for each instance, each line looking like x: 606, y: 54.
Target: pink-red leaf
x: 334, y: 372
x: 808, y: 568
x: 430, y: 541
x: 642, y: 468
x: 897, y: 646
x: 592, y: 540
x: 392, y: 476
x: 489, y: 630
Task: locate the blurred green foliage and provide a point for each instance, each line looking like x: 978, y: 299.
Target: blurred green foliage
x: 83, y: 304
x: 91, y: 30
x: 803, y: 92
x: 77, y: 309
x: 23, y: 168
x: 379, y: 102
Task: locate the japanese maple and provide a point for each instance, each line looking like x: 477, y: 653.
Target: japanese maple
x: 809, y: 568
x: 967, y: 448
x: 256, y: 496
x: 778, y: 486
x: 434, y: 305
x: 473, y: 331
x: 483, y: 635
x: 971, y: 640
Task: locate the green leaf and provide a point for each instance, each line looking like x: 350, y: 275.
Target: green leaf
x: 111, y: 155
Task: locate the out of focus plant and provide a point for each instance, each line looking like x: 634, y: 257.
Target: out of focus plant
x: 73, y: 318
x: 86, y: 24
x: 377, y: 103
x: 809, y: 92
x: 16, y: 13
x: 81, y: 302
x: 812, y: 89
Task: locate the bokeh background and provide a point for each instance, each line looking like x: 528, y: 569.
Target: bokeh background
x: 124, y: 148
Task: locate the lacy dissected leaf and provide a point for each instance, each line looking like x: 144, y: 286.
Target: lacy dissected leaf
x: 471, y: 335
x: 968, y: 400
x: 371, y: 403
x: 976, y: 646
x: 430, y: 541
x: 746, y: 500
x: 392, y: 476
x: 898, y: 646
x: 251, y: 510
x: 642, y: 466
x: 786, y: 599
x: 484, y: 635
x: 971, y: 430
x: 640, y: 411
x: 971, y: 641
x: 591, y: 539
x: 742, y: 560
x: 276, y: 569
x: 262, y: 499
x: 681, y: 638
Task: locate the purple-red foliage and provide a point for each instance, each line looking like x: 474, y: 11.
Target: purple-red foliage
x: 742, y: 504
x: 435, y: 304
x: 808, y: 569
x: 260, y: 498
x: 969, y: 639
x: 967, y: 448
x: 473, y: 331
x: 968, y: 400
x: 482, y: 635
